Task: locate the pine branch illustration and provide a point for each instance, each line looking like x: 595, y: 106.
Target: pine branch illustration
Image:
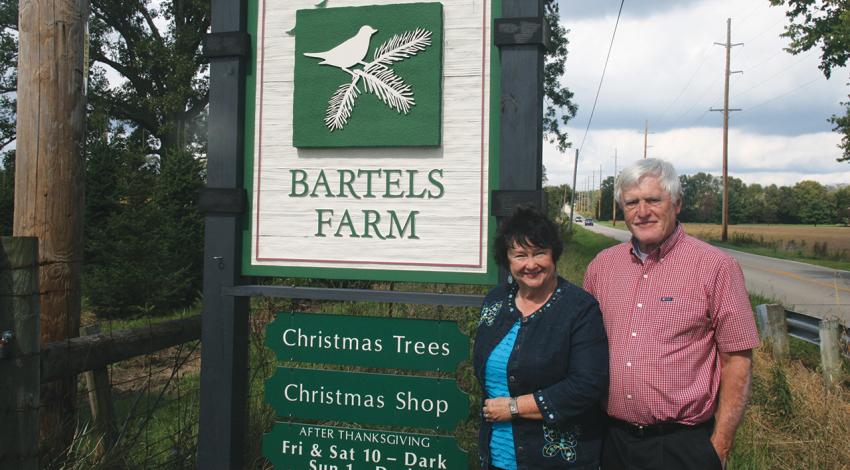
x: 402, y: 46
x: 388, y: 87
x: 340, y: 105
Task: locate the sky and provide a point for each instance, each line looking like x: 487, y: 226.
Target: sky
x: 665, y: 69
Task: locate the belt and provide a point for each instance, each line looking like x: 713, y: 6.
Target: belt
x: 657, y: 429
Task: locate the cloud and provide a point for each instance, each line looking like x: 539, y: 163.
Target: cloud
x: 602, y: 8
x: 754, y: 158
x: 665, y: 68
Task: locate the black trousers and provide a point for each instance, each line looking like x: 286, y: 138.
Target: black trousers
x: 665, y: 448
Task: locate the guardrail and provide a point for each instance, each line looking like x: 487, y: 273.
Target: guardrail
x: 807, y: 328
x: 776, y: 324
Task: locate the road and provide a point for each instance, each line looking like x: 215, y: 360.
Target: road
x: 800, y: 287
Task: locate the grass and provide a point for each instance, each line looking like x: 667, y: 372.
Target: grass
x: 792, y: 421
x: 579, y: 250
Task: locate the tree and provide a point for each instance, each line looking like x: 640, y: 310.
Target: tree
x: 608, y: 200
x: 842, y: 205
x: 166, y: 88
x: 700, y: 200
x: 824, y: 24
x: 8, y: 71
x: 813, y: 202
x: 7, y: 191
x: 555, y: 201
x: 737, y: 191
x: 754, y: 209
x: 559, y: 106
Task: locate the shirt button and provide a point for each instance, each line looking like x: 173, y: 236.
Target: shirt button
x: 645, y: 276
x: 639, y: 305
x: 629, y: 397
x: 512, y: 378
x: 519, y: 449
x: 628, y: 364
x: 634, y: 333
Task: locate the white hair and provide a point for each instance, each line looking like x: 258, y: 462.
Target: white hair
x: 632, y: 175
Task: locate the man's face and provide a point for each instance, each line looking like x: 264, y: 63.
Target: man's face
x: 650, y: 213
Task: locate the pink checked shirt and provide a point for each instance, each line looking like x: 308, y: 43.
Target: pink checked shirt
x: 667, y: 318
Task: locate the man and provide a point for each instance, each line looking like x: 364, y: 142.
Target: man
x: 680, y: 332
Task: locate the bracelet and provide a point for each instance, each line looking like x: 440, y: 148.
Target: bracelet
x: 512, y: 405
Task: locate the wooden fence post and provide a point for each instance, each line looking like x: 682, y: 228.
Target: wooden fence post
x: 774, y: 326
x: 100, y: 401
x: 830, y: 351
x: 20, y: 372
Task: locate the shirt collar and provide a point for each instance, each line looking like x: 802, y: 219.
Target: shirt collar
x: 665, y: 248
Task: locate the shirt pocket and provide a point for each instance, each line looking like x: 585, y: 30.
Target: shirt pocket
x: 681, y: 318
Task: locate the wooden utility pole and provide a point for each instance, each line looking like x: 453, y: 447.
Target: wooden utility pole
x: 728, y: 44
x: 49, y: 175
x: 613, y: 193
x: 599, y: 202
x: 573, y: 192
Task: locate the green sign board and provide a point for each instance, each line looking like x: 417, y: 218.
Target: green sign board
x: 368, y: 76
x: 422, y: 402
x: 371, y: 140
x: 305, y: 446
x: 394, y: 343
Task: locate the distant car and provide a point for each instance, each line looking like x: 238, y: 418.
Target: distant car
x: 588, y: 221
x: 579, y: 219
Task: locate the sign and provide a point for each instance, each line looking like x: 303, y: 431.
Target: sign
x: 368, y: 76
x: 368, y: 341
x: 422, y: 402
x: 370, y: 149
x: 304, y: 446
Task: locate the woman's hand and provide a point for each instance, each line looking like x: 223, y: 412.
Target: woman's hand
x: 497, y: 409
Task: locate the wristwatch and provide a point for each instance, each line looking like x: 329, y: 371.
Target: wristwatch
x: 513, y: 407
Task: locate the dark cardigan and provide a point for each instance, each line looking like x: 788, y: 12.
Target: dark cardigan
x: 561, y: 356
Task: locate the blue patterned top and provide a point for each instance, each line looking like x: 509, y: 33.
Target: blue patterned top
x: 496, y: 385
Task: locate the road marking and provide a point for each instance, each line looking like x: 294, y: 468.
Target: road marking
x: 799, y: 278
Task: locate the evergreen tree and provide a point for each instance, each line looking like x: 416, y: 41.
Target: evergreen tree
x: 7, y: 192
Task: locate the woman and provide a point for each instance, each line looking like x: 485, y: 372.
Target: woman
x: 541, y: 356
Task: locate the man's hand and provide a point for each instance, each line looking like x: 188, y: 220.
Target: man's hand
x: 735, y: 378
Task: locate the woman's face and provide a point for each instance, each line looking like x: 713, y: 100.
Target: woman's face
x: 531, y: 266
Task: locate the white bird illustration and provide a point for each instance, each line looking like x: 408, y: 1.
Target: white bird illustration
x: 349, y: 53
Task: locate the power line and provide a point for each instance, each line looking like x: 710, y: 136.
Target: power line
x: 599, y: 88
x: 687, y: 85
x: 783, y: 94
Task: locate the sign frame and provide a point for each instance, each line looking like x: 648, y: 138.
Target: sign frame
x: 408, y: 274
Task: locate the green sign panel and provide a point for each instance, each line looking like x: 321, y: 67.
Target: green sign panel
x: 423, y: 402
x: 368, y: 76
x: 368, y: 341
x: 305, y: 446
